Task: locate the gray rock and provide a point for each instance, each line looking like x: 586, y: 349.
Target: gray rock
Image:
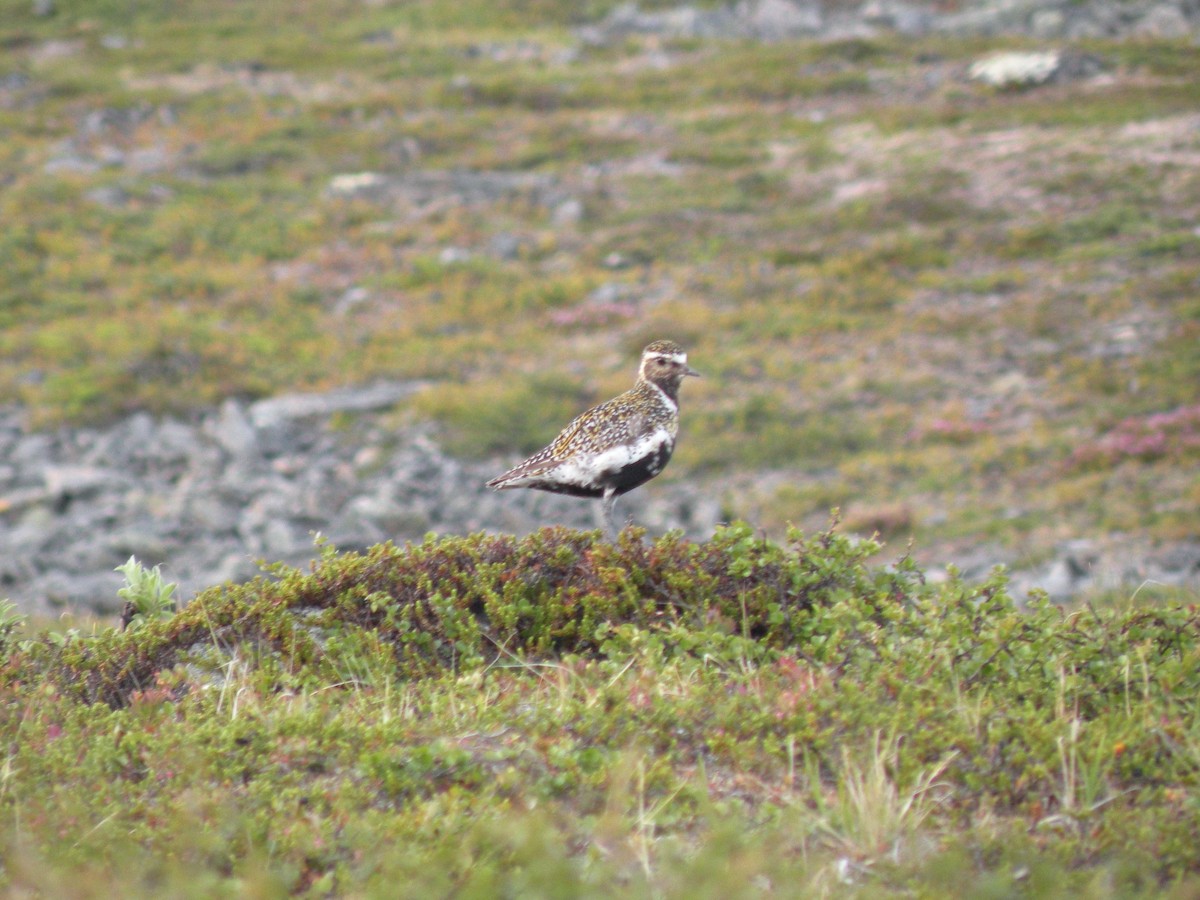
x: 1181, y: 560
x: 140, y: 429
x: 1082, y: 27
x: 233, y: 432
x: 150, y: 545
x: 508, y: 246
x: 14, y: 81
x: 370, y: 519
x: 71, y: 162
x: 203, y: 511
x: 232, y: 567
x: 109, y: 157
x: 28, y: 455
x: 762, y: 19
x: 291, y: 407
x: 680, y: 22
x: 351, y: 299
x: 987, y: 18
x: 348, y: 531
x: 1161, y: 21
x: 1047, y: 23
x: 20, y: 500
x: 281, y: 540
x: 67, y: 483
x: 110, y: 196
x: 16, y: 568
x: 610, y: 292
x: 431, y: 190
x: 452, y: 256
x: 148, y: 160
x: 773, y: 20
x: 569, y: 212
x: 1097, y: 19
x: 94, y: 591
x: 904, y: 18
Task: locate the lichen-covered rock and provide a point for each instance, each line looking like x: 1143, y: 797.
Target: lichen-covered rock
x: 1004, y: 70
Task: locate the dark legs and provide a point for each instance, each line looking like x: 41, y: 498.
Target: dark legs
x: 609, y: 501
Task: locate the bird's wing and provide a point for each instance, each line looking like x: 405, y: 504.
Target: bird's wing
x: 593, y: 431
x: 530, y: 468
x: 590, y: 433
x: 571, y: 441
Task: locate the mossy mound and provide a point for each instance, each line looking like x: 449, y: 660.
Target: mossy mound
x: 458, y: 602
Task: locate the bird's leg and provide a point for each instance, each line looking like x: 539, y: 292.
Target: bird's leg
x: 610, y: 500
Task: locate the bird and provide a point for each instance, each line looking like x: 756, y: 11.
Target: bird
x: 617, y: 446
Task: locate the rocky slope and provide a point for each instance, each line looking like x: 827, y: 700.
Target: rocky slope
x: 209, y: 495
x: 242, y: 483
x: 210, y: 498
x: 782, y: 19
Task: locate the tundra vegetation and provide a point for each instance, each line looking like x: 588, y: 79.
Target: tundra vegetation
x: 562, y: 716
x: 955, y: 312
x: 960, y: 313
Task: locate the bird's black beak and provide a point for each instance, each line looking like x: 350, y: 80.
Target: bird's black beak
x: 688, y: 370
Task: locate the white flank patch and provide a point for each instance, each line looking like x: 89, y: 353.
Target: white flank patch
x: 586, y: 470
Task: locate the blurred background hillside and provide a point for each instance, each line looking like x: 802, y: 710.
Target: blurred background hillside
x: 275, y: 268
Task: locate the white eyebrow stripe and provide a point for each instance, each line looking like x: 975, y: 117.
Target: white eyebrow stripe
x: 680, y: 358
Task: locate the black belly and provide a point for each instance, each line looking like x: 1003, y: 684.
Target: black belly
x: 624, y: 480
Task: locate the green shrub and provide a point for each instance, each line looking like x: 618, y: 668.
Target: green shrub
x: 564, y: 710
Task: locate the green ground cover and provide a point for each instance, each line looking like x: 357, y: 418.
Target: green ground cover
x: 561, y: 717
x: 957, y: 313
x: 873, y: 259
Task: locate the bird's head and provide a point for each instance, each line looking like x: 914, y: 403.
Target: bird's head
x: 665, y: 363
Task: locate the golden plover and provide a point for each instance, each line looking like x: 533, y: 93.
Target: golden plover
x: 616, y: 446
